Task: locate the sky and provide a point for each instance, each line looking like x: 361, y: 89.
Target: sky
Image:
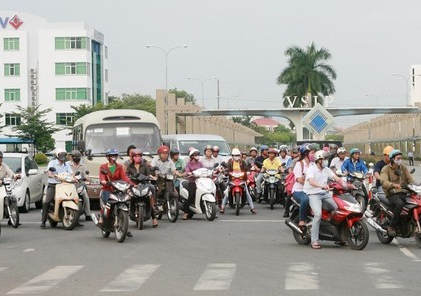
x: 242, y: 43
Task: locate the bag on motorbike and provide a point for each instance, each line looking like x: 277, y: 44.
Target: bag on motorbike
x: 290, y: 180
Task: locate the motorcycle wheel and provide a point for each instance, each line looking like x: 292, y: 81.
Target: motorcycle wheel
x: 237, y: 203
x: 14, y: 215
x: 301, y: 239
x: 417, y: 237
x: 122, y: 226
x: 358, y: 236
x: 384, y: 238
x: 360, y: 199
x: 105, y: 233
x: 272, y: 199
x: 72, y: 219
x: 173, y: 210
x: 140, y: 217
x: 210, y: 210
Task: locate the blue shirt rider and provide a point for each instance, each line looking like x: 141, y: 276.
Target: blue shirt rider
x: 354, y: 163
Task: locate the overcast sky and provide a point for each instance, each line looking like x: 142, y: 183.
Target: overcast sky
x: 243, y: 43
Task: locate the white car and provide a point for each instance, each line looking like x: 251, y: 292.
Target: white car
x: 30, y: 188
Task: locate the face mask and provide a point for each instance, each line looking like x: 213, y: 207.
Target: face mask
x: 325, y: 163
x: 237, y: 157
x: 137, y: 159
x: 76, y: 159
x: 398, y: 161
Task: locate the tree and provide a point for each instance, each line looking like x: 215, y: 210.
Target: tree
x: 183, y: 94
x: 244, y: 120
x: 307, y: 74
x: 35, y: 128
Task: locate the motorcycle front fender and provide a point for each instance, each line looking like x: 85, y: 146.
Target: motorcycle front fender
x: 123, y: 207
x: 208, y: 197
x: 70, y: 204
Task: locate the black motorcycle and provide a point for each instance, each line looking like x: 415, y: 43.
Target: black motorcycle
x: 167, y: 197
x: 142, y: 211
x: 9, y: 204
x: 360, y: 191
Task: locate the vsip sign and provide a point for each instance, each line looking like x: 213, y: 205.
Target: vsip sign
x: 15, y: 22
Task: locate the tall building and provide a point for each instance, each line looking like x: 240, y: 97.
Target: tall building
x: 55, y: 65
x: 415, y: 86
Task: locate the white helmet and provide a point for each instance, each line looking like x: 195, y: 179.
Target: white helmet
x: 341, y: 150
x: 60, y: 150
x: 193, y: 151
x: 321, y: 154
x: 235, y: 151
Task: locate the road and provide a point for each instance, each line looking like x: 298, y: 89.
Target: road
x: 245, y: 255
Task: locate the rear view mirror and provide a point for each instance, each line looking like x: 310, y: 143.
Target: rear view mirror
x: 18, y: 170
x: 32, y: 172
x: 104, y: 172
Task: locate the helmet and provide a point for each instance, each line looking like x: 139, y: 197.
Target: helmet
x: 59, y: 151
x: 193, y: 151
x: 264, y: 147
x: 321, y: 154
x: 137, y: 151
x: 215, y: 149
x: 333, y: 146
x: 163, y: 149
x: 272, y: 150
x: 76, y: 153
x: 111, y: 151
x: 283, y: 148
x: 394, y: 152
x: 354, y: 150
x: 295, y: 149
x: 174, y: 151
x: 307, y: 147
x: 341, y: 150
x: 208, y: 147
x: 235, y: 151
x: 315, y: 146
x: 387, y: 150
x: 253, y: 149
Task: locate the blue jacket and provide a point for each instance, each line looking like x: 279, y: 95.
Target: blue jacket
x: 351, y: 167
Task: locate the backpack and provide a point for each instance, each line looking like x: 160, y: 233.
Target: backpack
x: 290, y: 180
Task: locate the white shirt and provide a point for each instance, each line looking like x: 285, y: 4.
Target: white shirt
x: 300, y: 172
x: 337, y: 162
x: 319, y: 176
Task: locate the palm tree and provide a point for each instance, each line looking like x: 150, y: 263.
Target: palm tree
x: 307, y: 74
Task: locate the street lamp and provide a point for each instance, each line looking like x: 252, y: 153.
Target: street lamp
x: 166, y: 53
x: 406, y: 85
x: 202, y: 82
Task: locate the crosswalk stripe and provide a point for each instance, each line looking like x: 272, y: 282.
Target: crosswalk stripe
x: 2, y: 268
x: 380, y: 276
x: 47, y: 280
x: 301, y: 276
x: 216, y: 277
x: 131, y: 279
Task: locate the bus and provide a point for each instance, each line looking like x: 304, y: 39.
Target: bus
x: 98, y: 131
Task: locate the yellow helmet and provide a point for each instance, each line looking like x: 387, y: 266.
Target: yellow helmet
x: 387, y: 150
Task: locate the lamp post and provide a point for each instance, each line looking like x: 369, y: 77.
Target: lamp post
x: 166, y: 53
x: 202, y: 82
x: 406, y: 85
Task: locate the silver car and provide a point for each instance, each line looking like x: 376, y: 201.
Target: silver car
x: 30, y: 188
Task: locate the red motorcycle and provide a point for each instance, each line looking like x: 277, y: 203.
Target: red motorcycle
x: 237, y: 194
x: 252, y: 183
x: 345, y: 225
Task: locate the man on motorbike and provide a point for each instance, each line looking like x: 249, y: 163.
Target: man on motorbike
x: 215, y: 154
x: 179, y: 166
x: 339, y: 160
x: 60, y: 166
x: 236, y: 164
x: 207, y: 159
x: 191, y: 166
x: 76, y: 166
x: 333, y: 150
x: 394, y: 177
x: 164, y: 165
x: 252, y: 157
x: 284, y: 157
x: 259, y: 163
x: 380, y: 164
x: 317, y: 188
x: 139, y: 165
x: 354, y: 163
x: 6, y: 172
x: 271, y: 163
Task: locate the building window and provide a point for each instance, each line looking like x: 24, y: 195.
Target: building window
x: 12, y: 95
x: 12, y: 119
x: 65, y: 118
x: 73, y: 69
x: 72, y: 43
x: 11, y: 69
x: 11, y: 44
x: 72, y: 94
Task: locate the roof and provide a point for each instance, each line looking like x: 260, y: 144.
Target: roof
x: 14, y: 141
x: 265, y: 121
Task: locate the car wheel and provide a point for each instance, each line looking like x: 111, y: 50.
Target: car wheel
x: 26, y: 203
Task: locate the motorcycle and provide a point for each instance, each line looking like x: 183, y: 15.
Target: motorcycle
x: 8, y: 203
x: 360, y: 192
x: 220, y: 180
x: 167, y: 201
x: 345, y: 225
x: 379, y: 215
x: 237, y: 194
x: 64, y: 208
x: 141, y: 195
x: 251, y: 175
x: 204, y: 201
x: 81, y: 189
x: 271, y: 187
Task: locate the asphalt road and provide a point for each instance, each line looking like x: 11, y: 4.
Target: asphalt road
x: 245, y: 255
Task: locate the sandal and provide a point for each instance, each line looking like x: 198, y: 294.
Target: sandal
x: 185, y: 217
x: 316, y: 246
x: 253, y: 211
x: 154, y: 223
x: 222, y: 211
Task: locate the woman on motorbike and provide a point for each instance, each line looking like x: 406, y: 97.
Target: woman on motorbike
x: 207, y: 159
x: 191, y: 166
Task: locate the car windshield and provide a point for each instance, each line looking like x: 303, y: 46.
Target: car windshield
x: 101, y: 137
x: 224, y: 149
x: 13, y: 163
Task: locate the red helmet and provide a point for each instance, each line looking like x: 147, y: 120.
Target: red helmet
x: 163, y: 149
x: 272, y: 150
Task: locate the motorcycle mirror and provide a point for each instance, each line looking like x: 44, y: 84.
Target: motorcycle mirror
x: 87, y: 172
x: 52, y: 169
x: 104, y: 172
x: 412, y: 171
x: 216, y: 165
x: 18, y: 170
x: 77, y: 173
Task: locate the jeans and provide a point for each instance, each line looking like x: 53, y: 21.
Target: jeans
x: 397, y: 201
x: 248, y: 197
x: 86, y: 204
x: 302, y: 198
x: 259, y: 180
x: 316, y: 205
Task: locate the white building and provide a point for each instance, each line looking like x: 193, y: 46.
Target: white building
x: 55, y: 65
x: 415, y: 86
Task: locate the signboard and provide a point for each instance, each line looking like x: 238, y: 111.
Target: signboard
x: 318, y: 120
x: 15, y: 22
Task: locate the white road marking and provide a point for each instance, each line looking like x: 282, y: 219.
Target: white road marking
x: 131, y: 279
x: 216, y: 277
x: 2, y: 268
x: 28, y: 250
x: 380, y: 276
x: 301, y: 276
x: 253, y: 221
x: 47, y: 280
x: 405, y: 251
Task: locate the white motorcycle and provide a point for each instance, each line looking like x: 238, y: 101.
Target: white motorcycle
x: 8, y: 203
x: 204, y: 202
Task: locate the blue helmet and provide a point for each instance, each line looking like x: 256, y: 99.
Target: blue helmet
x: 174, y: 151
x: 354, y: 150
x: 264, y: 147
x: 394, y: 152
x: 111, y: 151
x: 307, y: 147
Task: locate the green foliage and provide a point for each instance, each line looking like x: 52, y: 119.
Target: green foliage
x: 244, y: 120
x: 307, y: 74
x: 41, y: 158
x: 35, y: 128
x: 183, y: 94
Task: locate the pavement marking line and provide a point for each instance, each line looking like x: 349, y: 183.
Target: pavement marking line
x: 301, y: 276
x: 253, y: 221
x: 2, y: 268
x: 405, y: 251
x: 47, y: 280
x: 132, y: 278
x: 216, y: 277
x: 380, y: 276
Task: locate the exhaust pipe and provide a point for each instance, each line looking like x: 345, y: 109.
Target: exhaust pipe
x: 294, y: 227
x: 376, y: 226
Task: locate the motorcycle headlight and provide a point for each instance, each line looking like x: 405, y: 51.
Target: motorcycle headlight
x: 145, y: 191
x: 352, y: 207
x: 136, y: 191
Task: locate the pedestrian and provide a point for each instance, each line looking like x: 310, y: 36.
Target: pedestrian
x: 411, y: 157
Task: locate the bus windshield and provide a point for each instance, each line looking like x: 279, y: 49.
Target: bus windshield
x: 100, y: 137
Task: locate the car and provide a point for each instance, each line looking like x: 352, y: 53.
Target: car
x: 30, y: 188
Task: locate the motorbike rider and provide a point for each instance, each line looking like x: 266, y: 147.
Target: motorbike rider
x: 317, y: 189
x: 6, y: 172
x: 129, y: 154
x: 252, y: 157
x: 333, y: 149
x: 284, y: 157
x: 179, y: 166
x: 244, y: 155
x: 77, y: 165
x: 215, y: 154
x: 339, y: 160
x: 394, y: 177
x: 236, y: 164
x: 379, y: 166
x: 207, y: 159
x: 140, y: 166
x: 264, y: 149
x: 354, y: 163
x: 191, y: 166
x: 271, y: 163
x: 164, y: 165
x: 61, y: 167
